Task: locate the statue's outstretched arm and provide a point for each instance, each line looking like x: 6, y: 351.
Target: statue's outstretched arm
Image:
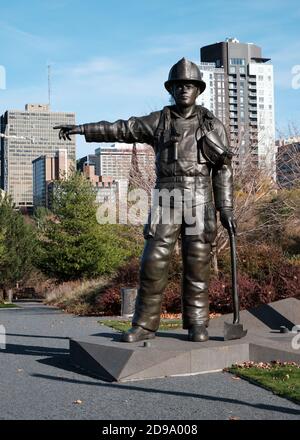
x: 135, y: 129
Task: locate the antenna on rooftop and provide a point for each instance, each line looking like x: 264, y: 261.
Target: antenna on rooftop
x: 49, y: 85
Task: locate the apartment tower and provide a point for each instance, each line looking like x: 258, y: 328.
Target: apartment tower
x: 248, y: 99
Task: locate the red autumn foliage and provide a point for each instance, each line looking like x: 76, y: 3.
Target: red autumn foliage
x: 109, y: 302
x: 264, y: 275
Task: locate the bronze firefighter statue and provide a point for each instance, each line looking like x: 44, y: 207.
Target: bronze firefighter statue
x: 193, y: 157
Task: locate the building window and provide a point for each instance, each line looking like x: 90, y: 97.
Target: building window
x: 260, y: 77
x: 242, y: 70
x: 232, y: 69
x: 239, y: 61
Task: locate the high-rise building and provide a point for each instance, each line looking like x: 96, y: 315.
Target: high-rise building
x: 106, y: 188
x: 90, y: 159
x: 213, y: 98
x: 115, y: 160
x: 45, y: 170
x: 26, y: 135
x: 249, y: 99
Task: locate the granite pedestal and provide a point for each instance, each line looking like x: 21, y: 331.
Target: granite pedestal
x: 171, y: 354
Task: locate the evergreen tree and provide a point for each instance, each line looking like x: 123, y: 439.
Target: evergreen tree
x: 17, y: 245
x: 70, y: 236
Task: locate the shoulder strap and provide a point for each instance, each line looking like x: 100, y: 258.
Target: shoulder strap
x: 164, y: 121
x: 205, y: 118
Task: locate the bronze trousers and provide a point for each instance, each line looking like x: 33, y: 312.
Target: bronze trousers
x: 196, y: 258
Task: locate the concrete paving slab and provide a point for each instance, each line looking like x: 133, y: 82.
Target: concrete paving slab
x: 39, y: 383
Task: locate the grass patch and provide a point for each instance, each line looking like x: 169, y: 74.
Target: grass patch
x: 7, y: 306
x: 281, y: 378
x: 123, y: 326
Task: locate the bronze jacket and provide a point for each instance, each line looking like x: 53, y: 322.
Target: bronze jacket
x: 177, y: 144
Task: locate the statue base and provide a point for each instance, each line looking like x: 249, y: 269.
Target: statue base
x: 170, y: 354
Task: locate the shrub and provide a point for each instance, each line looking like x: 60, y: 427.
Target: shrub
x: 221, y: 297
x: 128, y: 274
x: 172, y: 298
x: 264, y: 275
x: 109, y: 303
x: 118, y: 243
x: 260, y: 261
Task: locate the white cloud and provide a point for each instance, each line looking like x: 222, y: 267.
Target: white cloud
x: 24, y: 40
x: 94, y: 66
x: 109, y: 77
x: 20, y: 33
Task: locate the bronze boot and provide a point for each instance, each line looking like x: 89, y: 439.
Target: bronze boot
x: 198, y: 333
x: 136, y: 333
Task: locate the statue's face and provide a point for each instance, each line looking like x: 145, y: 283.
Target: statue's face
x: 185, y: 93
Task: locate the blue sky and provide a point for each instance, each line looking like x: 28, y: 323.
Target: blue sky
x: 110, y: 58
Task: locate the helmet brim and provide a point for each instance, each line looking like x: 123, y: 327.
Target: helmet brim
x: 200, y: 84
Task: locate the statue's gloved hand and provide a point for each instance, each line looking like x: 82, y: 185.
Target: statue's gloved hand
x: 227, y: 219
x: 66, y: 130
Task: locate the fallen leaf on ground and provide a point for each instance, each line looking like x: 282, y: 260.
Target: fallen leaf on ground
x: 77, y: 402
x: 235, y: 378
x: 167, y: 315
x: 19, y: 370
x: 171, y: 315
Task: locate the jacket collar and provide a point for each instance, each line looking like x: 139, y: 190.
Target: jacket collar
x: 175, y: 114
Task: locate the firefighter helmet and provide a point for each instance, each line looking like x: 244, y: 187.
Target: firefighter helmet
x: 185, y: 70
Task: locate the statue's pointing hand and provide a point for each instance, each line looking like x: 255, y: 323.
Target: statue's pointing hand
x: 66, y: 130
